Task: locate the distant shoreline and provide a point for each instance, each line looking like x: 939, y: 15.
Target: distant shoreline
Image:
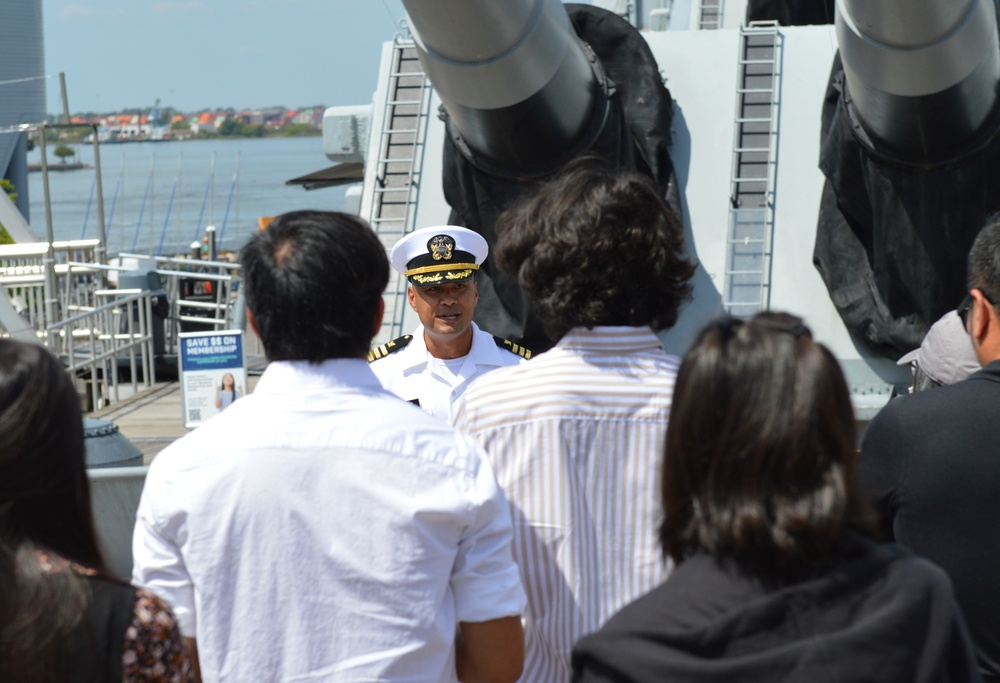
x: 59, y: 166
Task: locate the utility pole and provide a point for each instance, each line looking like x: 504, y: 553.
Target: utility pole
x: 65, y: 100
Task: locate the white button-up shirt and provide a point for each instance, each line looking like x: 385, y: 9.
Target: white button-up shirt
x: 322, y: 529
x: 576, y: 439
x: 414, y: 374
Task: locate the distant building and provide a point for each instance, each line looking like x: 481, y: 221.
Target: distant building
x: 22, y: 55
x: 208, y: 122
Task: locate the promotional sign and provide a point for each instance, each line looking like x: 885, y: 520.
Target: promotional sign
x: 212, y: 372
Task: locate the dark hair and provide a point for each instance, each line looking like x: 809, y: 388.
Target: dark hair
x: 313, y: 282
x: 984, y: 260
x: 596, y: 246
x: 44, y: 507
x: 760, y: 456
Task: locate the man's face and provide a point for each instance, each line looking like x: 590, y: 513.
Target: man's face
x: 444, y: 310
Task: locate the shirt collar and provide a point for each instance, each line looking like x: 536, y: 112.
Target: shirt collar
x: 285, y: 376
x: 611, y: 339
x: 480, y: 353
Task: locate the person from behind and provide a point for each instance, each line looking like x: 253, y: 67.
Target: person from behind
x: 777, y: 577
x: 929, y: 462
x: 432, y: 367
x: 320, y: 528
x: 576, y: 435
x: 63, y: 616
x: 945, y: 355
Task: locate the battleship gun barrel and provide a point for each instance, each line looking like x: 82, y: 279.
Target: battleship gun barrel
x: 922, y: 75
x: 516, y: 81
x: 910, y: 150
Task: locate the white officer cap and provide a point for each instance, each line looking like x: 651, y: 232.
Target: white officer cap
x: 440, y: 254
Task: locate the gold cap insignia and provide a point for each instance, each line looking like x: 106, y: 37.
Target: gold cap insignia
x: 440, y: 247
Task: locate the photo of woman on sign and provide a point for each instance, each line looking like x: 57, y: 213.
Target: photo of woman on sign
x: 227, y: 392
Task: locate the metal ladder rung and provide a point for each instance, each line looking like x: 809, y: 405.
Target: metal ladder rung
x: 750, y: 250
x: 404, y: 129
x: 395, y: 176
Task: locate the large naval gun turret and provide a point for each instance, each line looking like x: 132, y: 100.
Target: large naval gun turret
x: 882, y: 125
x: 910, y: 152
x: 526, y: 85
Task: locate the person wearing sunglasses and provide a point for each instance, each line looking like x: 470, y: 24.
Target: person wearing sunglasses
x: 930, y: 462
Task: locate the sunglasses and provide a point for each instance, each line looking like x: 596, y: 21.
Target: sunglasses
x: 966, y: 306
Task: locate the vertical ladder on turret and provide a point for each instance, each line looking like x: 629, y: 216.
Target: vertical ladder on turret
x: 751, y: 212
x: 400, y: 157
x: 710, y: 15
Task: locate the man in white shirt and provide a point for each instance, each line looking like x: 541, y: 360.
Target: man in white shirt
x: 432, y: 367
x: 576, y: 437
x: 321, y: 529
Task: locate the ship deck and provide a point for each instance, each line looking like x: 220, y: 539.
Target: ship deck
x: 152, y: 418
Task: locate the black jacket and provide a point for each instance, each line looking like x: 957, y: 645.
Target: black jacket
x: 882, y: 616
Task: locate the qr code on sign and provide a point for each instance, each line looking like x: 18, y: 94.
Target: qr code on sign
x: 194, y: 414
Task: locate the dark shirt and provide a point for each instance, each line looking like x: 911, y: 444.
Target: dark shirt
x: 931, y: 464
x: 882, y: 615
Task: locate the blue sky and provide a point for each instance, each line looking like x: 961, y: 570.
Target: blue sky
x: 197, y: 54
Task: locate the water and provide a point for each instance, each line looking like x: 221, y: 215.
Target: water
x: 139, y: 179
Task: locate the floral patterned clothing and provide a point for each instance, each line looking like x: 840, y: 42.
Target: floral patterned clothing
x: 152, y: 649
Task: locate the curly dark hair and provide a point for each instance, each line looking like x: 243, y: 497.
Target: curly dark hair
x: 760, y: 464
x: 596, y: 246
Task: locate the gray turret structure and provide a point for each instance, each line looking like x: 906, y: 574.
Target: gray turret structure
x: 912, y: 160
x: 22, y: 56
x: 848, y: 194
x: 525, y: 86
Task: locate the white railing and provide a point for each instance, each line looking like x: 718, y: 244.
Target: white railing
x: 89, y: 326
x: 22, y: 280
x: 201, y: 294
x: 92, y: 343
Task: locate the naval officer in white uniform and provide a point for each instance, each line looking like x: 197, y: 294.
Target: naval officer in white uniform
x: 432, y: 367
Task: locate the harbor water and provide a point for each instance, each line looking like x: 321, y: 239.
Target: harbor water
x: 159, y: 197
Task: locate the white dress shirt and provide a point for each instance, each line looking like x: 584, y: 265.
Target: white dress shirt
x: 576, y: 439
x: 322, y: 529
x: 414, y: 374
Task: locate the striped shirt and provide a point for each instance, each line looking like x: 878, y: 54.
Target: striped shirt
x: 576, y: 438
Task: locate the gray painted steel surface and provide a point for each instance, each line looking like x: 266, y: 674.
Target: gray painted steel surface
x: 22, y: 55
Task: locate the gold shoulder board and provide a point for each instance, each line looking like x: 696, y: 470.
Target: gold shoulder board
x: 512, y: 347
x: 389, y: 347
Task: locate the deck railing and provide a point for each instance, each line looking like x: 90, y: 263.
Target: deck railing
x: 92, y: 344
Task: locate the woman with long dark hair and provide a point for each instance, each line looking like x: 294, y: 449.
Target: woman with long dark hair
x: 777, y: 577
x: 63, y: 617
x: 226, y: 392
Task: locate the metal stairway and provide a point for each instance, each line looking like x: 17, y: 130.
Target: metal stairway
x: 710, y: 16
x: 402, y: 143
x: 751, y: 213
